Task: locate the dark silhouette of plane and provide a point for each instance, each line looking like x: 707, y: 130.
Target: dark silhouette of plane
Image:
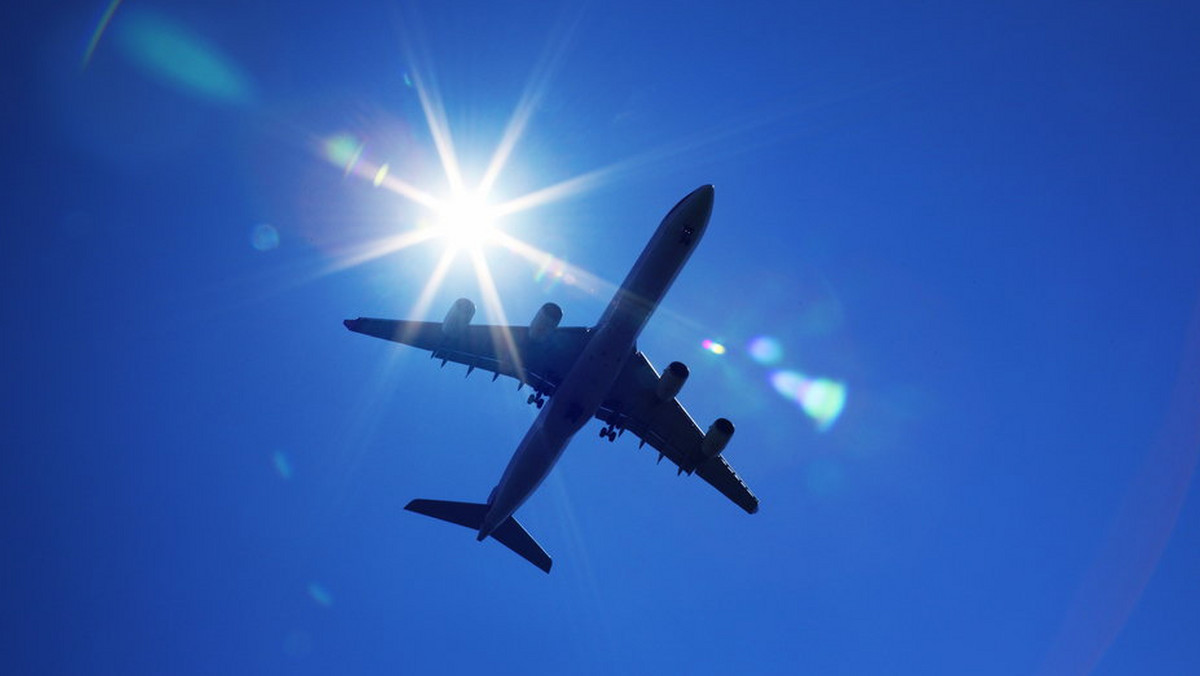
x: 578, y: 373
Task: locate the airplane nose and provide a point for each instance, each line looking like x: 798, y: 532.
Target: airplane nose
x: 701, y: 201
x: 695, y: 208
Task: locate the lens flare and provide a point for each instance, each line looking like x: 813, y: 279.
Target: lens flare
x: 99, y: 32
x: 320, y: 594
x: 821, y: 399
x: 380, y: 174
x: 264, y: 237
x: 178, y: 58
x: 765, y: 350
x: 787, y: 384
x: 282, y: 465
x: 344, y: 150
x: 712, y: 346
x: 552, y: 271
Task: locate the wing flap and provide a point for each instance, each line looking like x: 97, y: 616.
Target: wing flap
x: 667, y: 427
x: 503, y: 350
x: 717, y: 472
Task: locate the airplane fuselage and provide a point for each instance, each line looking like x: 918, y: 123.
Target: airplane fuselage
x: 611, y: 344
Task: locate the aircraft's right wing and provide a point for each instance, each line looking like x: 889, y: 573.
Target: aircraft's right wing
x: 634, y: 405
x: 502, y: 350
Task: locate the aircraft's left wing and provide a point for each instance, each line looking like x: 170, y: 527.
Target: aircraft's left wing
x: 502, y: 350
x: 634, y: 404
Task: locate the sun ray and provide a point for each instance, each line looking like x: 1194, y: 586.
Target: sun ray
x: 435, y: 117
x: 630, y: 165
x: 435, y: 282
x: 495, y: 312
x: 594, y: 178
x: 406, y: 189
x: 585, y: 280
x: 434, y: 111
x: 420, y: 76
x: 558, y: 191
x: 588, y: 180
x: 423, y: 80
x: 535, y: 90
x: 372, y: 250
x: 345, y: 151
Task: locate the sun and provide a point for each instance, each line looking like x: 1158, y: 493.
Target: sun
x: 465, y: 221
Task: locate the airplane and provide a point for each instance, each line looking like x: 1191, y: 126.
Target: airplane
x: 578, y: 373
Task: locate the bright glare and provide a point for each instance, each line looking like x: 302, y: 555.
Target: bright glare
x: 821, y: 399
x: 465, y: 222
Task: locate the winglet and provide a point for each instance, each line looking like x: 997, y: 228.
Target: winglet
x: 469, y: 514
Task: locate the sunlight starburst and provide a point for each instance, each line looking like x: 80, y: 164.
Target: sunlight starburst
x: 465, y: 221
x: 466, y: 216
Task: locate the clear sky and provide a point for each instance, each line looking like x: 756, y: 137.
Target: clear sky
x: 953, y: 264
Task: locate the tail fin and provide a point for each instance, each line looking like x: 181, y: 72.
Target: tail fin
x: 470, y: 514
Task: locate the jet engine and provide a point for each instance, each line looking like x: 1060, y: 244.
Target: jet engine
x: 545, y: 321
x: 458, y: 317
x: 671, y: 381
x: 716, y: 438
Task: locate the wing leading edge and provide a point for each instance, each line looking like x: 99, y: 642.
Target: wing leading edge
x: 634, y: 405
x: 502, y: 350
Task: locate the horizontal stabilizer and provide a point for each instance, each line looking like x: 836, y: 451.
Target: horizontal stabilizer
x: 512, y: 535
x: 470, y: 514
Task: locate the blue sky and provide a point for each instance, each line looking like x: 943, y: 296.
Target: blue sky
x: 982, y: 223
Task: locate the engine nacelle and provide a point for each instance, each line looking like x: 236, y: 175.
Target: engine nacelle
x: 545, y: 321
x: 717, y: 437
x: 671, y: 381
x: 458, y: 317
